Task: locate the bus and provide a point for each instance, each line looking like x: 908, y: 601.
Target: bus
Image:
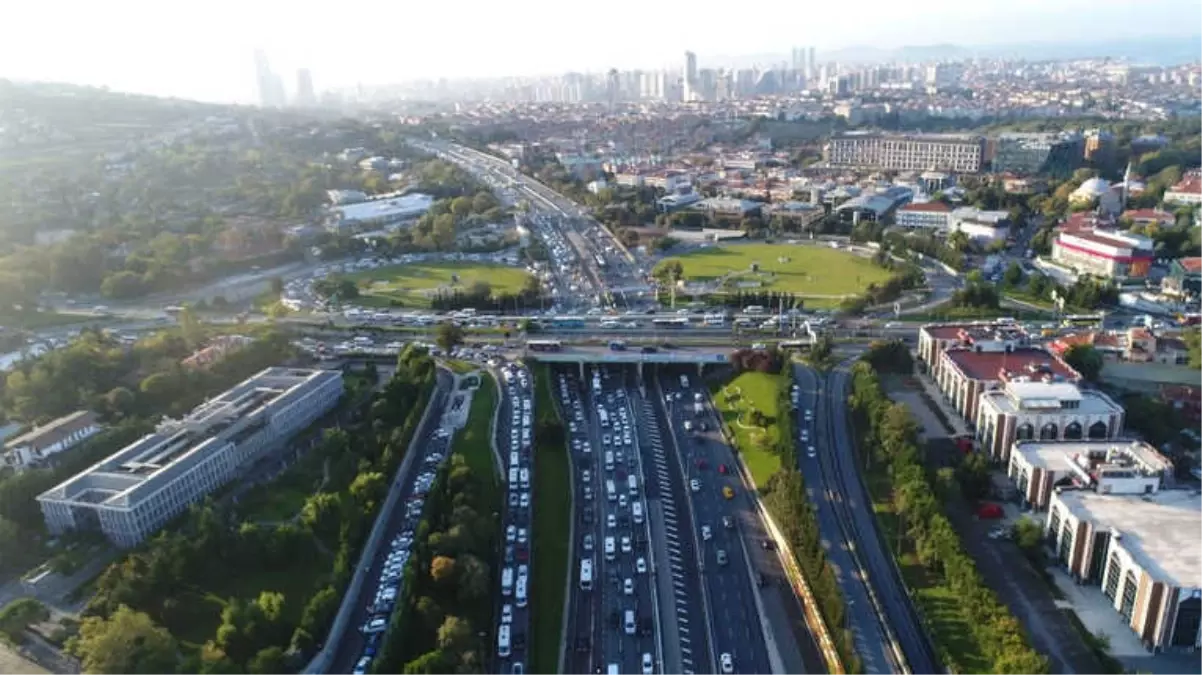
x: 1081, y: 319
x: 544, y: 345
x: 793, y: 345
x: 674, y: 322
x: 715, y: 320
x: 566, y: 322
x: 586, y: 574
x: 753, y: 309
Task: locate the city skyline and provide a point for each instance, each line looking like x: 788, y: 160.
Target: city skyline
x: 131, y: 45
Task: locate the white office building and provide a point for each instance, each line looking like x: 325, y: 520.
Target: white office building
x: 1026, y: 408
x: 135, y: 491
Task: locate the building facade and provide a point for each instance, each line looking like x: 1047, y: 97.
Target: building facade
x: 925, y: 216
x: 1188, y: 192
x: 135, y: 491
x: 923, y: 152
x: 1029, y: 154
x: 1040, y: 406
x: 35, y: 447
x: 1108, y: 254
x: 1107, y: 467
x: 1142, y: 551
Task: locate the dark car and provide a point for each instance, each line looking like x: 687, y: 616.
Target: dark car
x: 519, y: 640
x: 583, y: 643
x: 649, y: 349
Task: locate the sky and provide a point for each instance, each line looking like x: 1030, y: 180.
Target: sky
x: 205, y: 50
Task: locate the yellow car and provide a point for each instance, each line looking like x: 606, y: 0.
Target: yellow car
x: 727, y: 491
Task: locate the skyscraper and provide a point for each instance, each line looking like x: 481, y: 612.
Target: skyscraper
x: 690, y: 76
x: 270, y: 88
x: 812, y: 63
x: 305, y: 96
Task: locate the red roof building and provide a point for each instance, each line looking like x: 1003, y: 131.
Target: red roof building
x: 1187, y: 192
x: 1149, y: 216
x: 927, y: 215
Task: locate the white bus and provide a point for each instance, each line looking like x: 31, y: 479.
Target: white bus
x: 503, y: 641
x: 715, y: 320
x: 586, y: 574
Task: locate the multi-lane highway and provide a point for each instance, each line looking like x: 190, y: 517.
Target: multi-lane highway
x: 515, y: 441
x: 719, y: 509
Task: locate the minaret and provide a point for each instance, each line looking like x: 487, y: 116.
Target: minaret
x: 1126, y: 187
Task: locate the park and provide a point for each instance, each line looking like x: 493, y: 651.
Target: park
x: 415, y: 285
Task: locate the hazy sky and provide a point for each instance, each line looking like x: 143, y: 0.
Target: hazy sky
x: 204, y: 50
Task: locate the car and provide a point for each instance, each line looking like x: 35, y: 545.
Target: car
x: 611, y: 521
x: 588, y: 542
x: 521, y: 535
x: 648, y: 666
x: 706, y: 533
x: 509, y: 554
x: 721, y: 556
x: 809, y: 414
x: 511, y: 534
x: 626, y: 545
x: 811, y: 452
x: 695, y: 485
x: 513, y: 500
x: 722, y: 469
x: 507, y: 613
x: 727, y: 522
x: 524, y: 502
x: 628, y: 586
x: 361, y: 666
x: 727, y: 663
x: 805, y: 435
x: 375, y: 625
x: 518, y: 668
x: 728, y: 492
x: 640, y: 565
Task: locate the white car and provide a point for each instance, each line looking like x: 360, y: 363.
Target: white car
x: 361, y: 666
x: 626, y: 545
x: 648, y: 666
x: 727, y: 663
x: 695, y: 485
x: 628, y: 586
x: 706, y: 533
x: 506, y: 613
x: 521, y: 535
x: 610, y: 521
x: 511, y: 533
x: 809, y: 414
x: 805, y: 435
x: 525, y: 500
x: 640, y: 566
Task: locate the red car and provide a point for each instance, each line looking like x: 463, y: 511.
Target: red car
x: 722, y: 468
x: 701, y: 464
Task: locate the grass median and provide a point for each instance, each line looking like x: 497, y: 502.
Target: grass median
x: 552, y: 525
x: 750, y: 406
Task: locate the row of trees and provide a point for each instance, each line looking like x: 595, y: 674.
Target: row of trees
x: 446, y: 600
x: 888, y: 435
x: 161, y: 591
x: 481, y: 296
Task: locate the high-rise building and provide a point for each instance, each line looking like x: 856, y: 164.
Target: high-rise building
x: 305, y: 96
x: 690, y: 76
x: 811, y: 63
x: 270, y: 88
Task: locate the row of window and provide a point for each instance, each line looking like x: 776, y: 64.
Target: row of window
x: 1073, y: 431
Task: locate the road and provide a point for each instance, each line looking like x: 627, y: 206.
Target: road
x: 514, y: 431
x: 840, y: 469
x: 731, y: 586
x: 431, y: 449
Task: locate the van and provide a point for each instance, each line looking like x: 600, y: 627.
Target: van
x: 521, y: 591
x: 636, y: 510
x: 610, y: 548
x: 503, y: 641
x: 609, y: 460
x: 613, y: 669
x: 632, y: 482
x: 611, y: 493
x: 513, y: 474
x: 525, y: 474
x: 506, y: 581
x: 513, y: 458
x: 629, y: 624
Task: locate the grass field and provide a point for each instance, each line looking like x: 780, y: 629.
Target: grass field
x: 805, y: 270
x: 473, y: 441
x: 747, y: 392
x: 552, y: 526
x: 413, y: 285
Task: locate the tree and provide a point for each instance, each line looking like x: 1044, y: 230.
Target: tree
x: 1085, y: 360
x: 20, y: 614
x: 669, y: 272
x: 1193, y: 342
x: 126, y: 642
x: 448, y: 336
x: 442, y: 569
x: 1013, y: 275
x: 958, y: 241
x: 455, y: 634
x: 269, y: 660
x: 461, y: 207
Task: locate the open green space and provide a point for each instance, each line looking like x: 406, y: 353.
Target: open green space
x: 552, y: 528
x: 414, y: 285
x: 48, y: 319
x: 474, y: 441
x: 804, y: 270
x: 739, y: 402
x: 281, y: 499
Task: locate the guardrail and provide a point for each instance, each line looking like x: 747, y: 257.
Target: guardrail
x: 320, y: 662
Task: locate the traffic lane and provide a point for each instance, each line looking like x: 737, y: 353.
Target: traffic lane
x: 582, y: 609
x: 518, y: 517
x: 868, y: 633
x: 608, y: 635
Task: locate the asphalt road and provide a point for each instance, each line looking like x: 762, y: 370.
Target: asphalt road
x: 842, y: 472
x: 734, y: 617
x: 515, y: 437
x: 351, y: 646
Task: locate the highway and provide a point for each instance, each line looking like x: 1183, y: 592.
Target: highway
x: 515, y: 440
x: 853, y: 508
x: 707, y: 464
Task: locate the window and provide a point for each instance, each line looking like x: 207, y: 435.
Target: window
x: 1025, y: 432
x: 1129, y: 589
x: 1098, y: 431
x: 1072, y: 432
x: 1066, y: 546
x: 1048, y: 432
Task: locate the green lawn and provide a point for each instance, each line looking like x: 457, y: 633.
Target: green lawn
x: 552, y: 524
x: 414, y: 285
x: 39, y: 320
x: 282, y: 498
x: 747, y: 392
x: 474, y: 440
x: 806, y: 270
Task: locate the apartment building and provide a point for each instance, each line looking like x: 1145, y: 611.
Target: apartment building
x: 1040, y: 405
x: 1107, y: 467
x: 1143, y: 551
x: 36, y: 446
x: 135, y: 491
x: 1104, y: 253
x: 924, y: 216
x: 957, y: 153
x: 1187, y: 192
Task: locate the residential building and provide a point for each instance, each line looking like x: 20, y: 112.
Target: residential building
x: 925, y: 216
x: 1029, y: 154
x: 1184, y: 278
x: 1039, y: 404
x: 1187, y: 192
x: 34, y: 447
x: 1104, y: 253
x: 1107, y: 467
x: 134, y: 492
x: 959, y: 153
x: 1143, y: 551
x: 1146, y: 217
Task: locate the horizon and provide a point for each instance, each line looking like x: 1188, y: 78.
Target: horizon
x: 133, y: 46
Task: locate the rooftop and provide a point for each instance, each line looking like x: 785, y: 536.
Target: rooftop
x: 1001, y: 365
x: 49, y: 434
x: 1159, y: 531
x: 1035, y: 397
x: 930, y: 207
x: 1059, y: 455
x: 1191, y: 265
x: 1192, y: 183
x: 974, y: 332
x: 399, y: 207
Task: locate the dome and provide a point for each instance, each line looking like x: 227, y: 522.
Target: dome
x: 1094, y: 187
